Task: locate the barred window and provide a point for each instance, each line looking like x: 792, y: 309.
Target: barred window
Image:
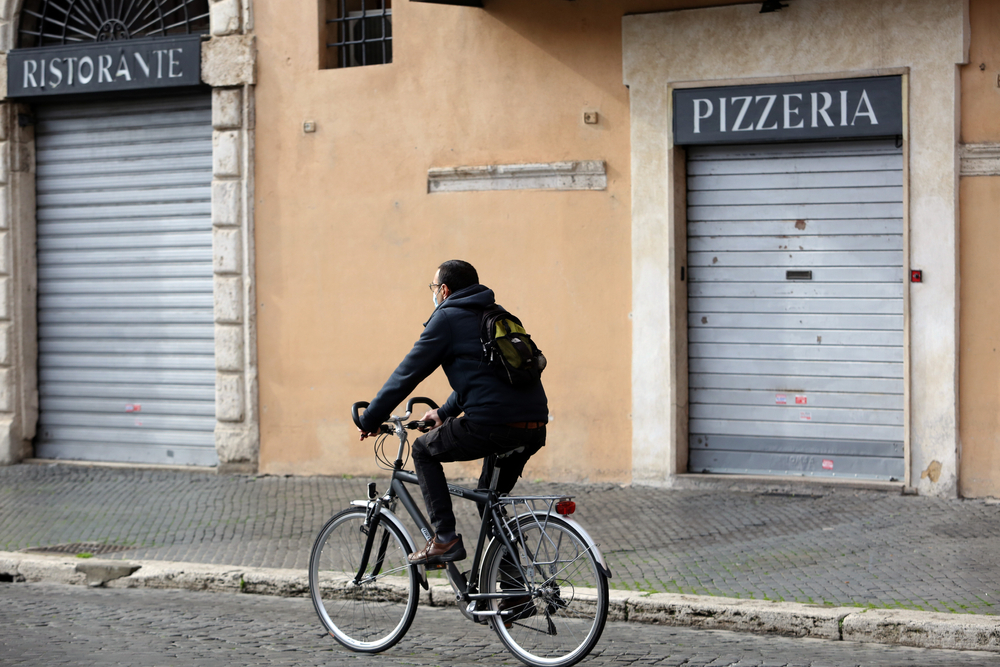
x: 358, y: 32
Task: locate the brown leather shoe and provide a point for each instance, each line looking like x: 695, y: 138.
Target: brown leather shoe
x: 435, y: 552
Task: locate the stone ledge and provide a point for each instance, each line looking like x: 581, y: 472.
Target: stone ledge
x: 578, y: 175
x: 924, y: 629
x: 979, y: 159
x: 784, y: 618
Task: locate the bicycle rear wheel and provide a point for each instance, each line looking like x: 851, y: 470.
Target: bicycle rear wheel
x: 371, y: 613
x: 568, y: 606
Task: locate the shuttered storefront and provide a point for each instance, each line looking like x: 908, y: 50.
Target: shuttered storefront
x: 126, y: 349
x: 795, y: 300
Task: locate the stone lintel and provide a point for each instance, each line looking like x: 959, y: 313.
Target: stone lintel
x: 979, y: 159
x: 569, y: 175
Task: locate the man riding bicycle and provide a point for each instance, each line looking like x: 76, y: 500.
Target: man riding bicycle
x: 483, y: 415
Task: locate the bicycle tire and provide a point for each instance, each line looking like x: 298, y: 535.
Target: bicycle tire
x: 569, y: 608
x: 371, y: 616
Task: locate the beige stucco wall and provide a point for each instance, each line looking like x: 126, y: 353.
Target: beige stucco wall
x: 348, y: 236
x: 980, y: 300
x: 809, y: 39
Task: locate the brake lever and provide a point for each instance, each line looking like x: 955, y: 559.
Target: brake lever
x: 420, y: 424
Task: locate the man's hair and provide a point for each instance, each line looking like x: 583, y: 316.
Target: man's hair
x: 457, y: 275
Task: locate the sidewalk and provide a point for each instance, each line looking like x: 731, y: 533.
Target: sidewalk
x: 823, y: 558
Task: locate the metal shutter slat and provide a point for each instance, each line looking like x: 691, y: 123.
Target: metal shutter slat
x: 139, y: 376
x: 136, y: 213
x: 766, y: 399
x: 129, y: 317
x: 48, y: 173
x: 770, y: 197
x: 140, y: 286
x: 803, y: 288
x: 160, y: 195
x: 793, y: 258
x: 139, y: 271
x: 803, y: 430
x: 166, y: 393
x: 859, y: 242
x: 786, y: 352
x: 771, y: 336
x: 868, y: 226
x: 83, y: 345
x: 813, y: 306
x: 796, y: 384
x: 817, y: 415
x: 756, y: 182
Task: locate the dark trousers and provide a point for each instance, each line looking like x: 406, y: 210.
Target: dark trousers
x: 463, y: 440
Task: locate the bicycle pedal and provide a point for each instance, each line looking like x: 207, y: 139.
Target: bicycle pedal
x: 436, y: 566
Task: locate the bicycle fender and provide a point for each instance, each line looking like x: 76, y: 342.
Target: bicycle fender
x: 591, y: 544
x: 387, y: 514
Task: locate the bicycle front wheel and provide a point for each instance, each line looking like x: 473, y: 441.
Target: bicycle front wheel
x: 370, y: 610
x: 557, y: 602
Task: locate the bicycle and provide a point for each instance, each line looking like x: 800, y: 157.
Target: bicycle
x: 536, y: 577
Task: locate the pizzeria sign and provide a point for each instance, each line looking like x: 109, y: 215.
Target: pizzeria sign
x: 832, y: 109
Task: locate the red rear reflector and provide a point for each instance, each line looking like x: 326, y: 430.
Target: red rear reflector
x: 565, y: 507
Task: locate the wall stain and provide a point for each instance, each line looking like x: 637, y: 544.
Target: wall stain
x: 933, y: 472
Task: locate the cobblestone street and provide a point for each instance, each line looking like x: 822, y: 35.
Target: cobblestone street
x: 51, y: 624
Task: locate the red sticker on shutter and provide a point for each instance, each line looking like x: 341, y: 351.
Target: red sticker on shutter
x: 801, y: 400
x: 827, y: 464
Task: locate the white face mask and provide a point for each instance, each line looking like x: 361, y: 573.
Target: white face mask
x: 434, y: 298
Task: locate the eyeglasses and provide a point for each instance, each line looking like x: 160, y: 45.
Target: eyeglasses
x: 434, y: 286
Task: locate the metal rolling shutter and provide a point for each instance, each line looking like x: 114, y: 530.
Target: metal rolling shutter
x: 126, y: 334
x: 795, y: 304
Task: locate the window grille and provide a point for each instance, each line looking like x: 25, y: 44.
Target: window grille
x: 358, y: 32
x: 59, y: 22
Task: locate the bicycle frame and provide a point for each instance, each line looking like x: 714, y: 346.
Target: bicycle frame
x: 465, y: 589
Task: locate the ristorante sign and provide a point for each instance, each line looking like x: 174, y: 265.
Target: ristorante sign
x: 837, y: 109
x: 98, y: 67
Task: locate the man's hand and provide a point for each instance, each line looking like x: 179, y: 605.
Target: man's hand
x: 366, y: 434
x: 431, y: 415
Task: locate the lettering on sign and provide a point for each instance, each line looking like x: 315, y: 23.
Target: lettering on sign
x: 105, y: 67
x: 837, y: 109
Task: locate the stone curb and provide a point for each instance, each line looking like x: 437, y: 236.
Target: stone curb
x: 882, y: 626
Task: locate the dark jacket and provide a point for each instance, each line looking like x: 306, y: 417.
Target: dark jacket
x: 451, y: 339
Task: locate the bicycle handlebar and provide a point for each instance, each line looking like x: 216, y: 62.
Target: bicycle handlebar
x: 419, y: 399
x: 409, y: 408
x: 354, y: 413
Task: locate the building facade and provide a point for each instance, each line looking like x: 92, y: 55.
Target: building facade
x: 734, y: 232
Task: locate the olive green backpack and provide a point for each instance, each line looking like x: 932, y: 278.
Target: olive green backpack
x: 508, y: 348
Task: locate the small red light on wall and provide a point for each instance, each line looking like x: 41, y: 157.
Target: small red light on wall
x: 916, y: 276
